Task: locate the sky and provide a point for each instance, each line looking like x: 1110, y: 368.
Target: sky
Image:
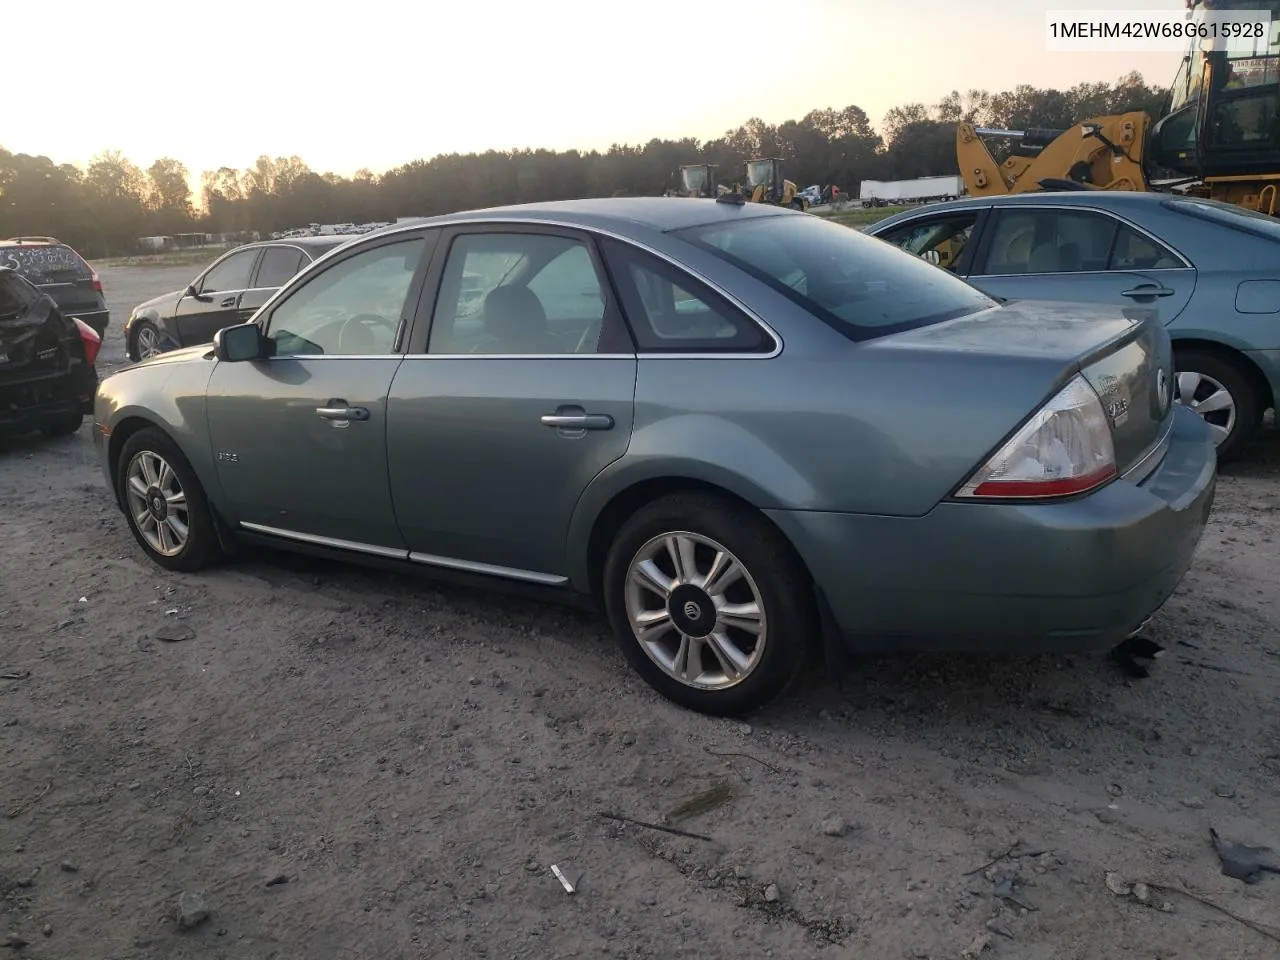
x: 377, y: 83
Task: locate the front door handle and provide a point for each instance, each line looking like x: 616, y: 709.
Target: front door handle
x: 228, y: 302
x: 339, y: 410
x: 1147, y: 290
x: 578, y: 421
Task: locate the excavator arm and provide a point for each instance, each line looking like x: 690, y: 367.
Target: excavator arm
x: 1103, y: 153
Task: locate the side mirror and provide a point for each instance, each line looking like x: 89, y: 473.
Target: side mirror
x: 244, y: 341
x: 191, y: 290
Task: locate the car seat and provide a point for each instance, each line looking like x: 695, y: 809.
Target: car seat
x: 515, y: 319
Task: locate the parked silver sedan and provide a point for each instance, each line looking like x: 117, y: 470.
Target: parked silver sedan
x: 739, y: 430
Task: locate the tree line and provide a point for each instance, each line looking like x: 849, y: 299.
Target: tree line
x: 105, y: 207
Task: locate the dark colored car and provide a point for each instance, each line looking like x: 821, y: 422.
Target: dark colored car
x: 63, y: 274
x: 47, y: 378
x: 229, y: 291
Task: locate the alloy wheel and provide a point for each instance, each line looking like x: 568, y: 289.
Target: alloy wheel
x: 157, y: 503
x: 148, y: 342
x: 1210, y: 399
x: 695, y: 610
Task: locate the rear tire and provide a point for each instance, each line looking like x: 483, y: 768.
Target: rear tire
x: 179, y: 533
x: 725, y: 650
x: 1231, y: 405
x: 63, y: 426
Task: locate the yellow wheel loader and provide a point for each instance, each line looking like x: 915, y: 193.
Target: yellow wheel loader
x: 765, y: 184
x: 1218, y: 135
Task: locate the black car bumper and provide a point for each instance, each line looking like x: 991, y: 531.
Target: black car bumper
x: 30, y: 405
x: 98, y: 319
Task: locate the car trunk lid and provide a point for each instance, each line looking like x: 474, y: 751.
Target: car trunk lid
x: 1124, y: 353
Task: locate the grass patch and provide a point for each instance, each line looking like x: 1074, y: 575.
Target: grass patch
x: 194, y: 257
x: 861, y: 216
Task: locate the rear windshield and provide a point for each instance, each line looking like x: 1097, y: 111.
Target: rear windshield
x: 861, y: 286
x: 15, y: 296
x: 45, y: 263
x: 1228, y: 215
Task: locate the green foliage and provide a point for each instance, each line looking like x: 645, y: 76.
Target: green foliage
x: 103, y: 209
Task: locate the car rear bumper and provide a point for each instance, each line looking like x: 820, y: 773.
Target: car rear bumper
x: 1031, y: 578
x: 32, y: 404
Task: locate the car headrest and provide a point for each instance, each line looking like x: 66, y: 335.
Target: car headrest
x: 513, y: 312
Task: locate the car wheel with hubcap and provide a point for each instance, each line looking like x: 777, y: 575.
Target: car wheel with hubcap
x: 146, y: 341
x: 711, y: 605
x: 164, y: 502
x: 1222, y: 394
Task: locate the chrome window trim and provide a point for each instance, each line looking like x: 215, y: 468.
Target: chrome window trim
x: 751, y: 314
x: 474, y: 566
x: 1080, y: 207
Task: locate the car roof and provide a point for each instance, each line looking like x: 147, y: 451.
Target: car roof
x: 33, y: 242
x: 656, y: 213
x: 1112, y: 199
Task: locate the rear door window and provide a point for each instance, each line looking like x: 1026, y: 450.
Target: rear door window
x: 277, y: 265
x: 859, y: 285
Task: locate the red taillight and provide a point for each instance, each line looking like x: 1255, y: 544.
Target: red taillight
x: 96, y: 283
x: 89, y: 337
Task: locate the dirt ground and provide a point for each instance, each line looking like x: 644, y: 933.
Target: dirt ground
x: 411, y: 760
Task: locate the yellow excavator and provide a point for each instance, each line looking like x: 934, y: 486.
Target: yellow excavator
x: 1218, y: 135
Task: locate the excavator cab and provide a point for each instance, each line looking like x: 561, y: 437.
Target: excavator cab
x: 1221, y: 123
x: 698, y: 180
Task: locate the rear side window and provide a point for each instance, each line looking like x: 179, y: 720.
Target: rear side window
x: 861, y: 286
x: 278, y: 264
x: 671, y: 312
x: 46, y: 263
x: 1050, y: 241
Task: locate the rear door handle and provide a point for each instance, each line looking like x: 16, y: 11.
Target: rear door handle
x: 578, y: 421
x: 1147, y: 290
x: 338, y: 410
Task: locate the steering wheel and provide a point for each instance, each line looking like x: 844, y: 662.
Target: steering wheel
x: 356, y: 335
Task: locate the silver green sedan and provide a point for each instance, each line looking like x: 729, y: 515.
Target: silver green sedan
x: 741, y: 431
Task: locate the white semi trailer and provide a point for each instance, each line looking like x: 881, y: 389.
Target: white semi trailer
x: 880, y: 193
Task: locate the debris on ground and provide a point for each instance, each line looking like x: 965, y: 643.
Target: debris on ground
x: 835, y: 827
x: 653, y: 826
x: 192, y: 911
x: 1243, y: 862
x: 68, y: 867
x: 14, y: 942
x: 568, y: 875
x: 1127, y: 652
x: 1006, y: 882
x: 277, y: 879
x: 15, y: 675
x: 703, y: 801
x: 772, y: 894
x: 175, y: 634
x: 1116, y: 884
x: 980, y: 943
x: 995, y: 926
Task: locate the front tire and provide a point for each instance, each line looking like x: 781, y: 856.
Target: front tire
x: 164, y: 503
x: 1222, y: 394
x: 710, y: 603
x: 144, y: 341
